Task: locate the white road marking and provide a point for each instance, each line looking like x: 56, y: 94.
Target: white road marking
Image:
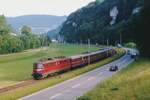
x: 56, y: 95
x: 100, y: 74
x: 75, y: 86
x: 91, y: 78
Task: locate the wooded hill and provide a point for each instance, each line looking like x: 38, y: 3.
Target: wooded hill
x: 110, y: 20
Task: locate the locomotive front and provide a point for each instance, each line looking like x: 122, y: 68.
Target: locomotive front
x: 38, y: 69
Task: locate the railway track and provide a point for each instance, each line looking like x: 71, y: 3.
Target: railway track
x: 16, y: 86
x: 25, y: 83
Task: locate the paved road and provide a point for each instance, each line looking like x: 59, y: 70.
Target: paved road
x: 76, y: 87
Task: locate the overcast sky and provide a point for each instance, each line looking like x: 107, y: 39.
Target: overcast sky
x: 50, y: 7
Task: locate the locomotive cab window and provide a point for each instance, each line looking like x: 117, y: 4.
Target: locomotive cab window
x: 38, y: 66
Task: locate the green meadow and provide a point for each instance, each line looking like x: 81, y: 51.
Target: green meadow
x: 42, y: 84
x: 18, y: 66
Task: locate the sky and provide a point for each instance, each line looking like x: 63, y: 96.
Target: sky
x: 12, y: 8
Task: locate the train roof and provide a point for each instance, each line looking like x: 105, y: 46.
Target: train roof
x: 48, y: 60
x: 52, y: 60
x: 76, y: 56
x: 100, y: 51
x: 91, y: 53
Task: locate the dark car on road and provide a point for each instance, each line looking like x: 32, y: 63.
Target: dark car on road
x: 133, y: 55
x: 113, y: 68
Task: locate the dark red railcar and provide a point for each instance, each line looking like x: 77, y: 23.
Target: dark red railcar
x: 99, y: 55
x: 77, y: 61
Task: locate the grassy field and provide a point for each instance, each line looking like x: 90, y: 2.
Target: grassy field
x: 18, y: 66
x: 132, y: 83
x: 17, y: 93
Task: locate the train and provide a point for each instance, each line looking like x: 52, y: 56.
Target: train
x: 49, y: 66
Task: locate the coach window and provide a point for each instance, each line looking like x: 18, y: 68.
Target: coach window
x: 50, y: 64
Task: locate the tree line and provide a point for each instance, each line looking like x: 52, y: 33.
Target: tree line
x: 11, y: 42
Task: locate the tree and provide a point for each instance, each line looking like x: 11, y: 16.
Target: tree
x: 4, y: 27
x: 26, y: 30
x: 98, y: 1
x: 26, y: 41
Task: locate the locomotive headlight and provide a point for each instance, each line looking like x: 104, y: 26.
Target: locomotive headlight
x: 39, y: 69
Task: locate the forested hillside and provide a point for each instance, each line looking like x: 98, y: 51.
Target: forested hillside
x: 111, y: 20
x: 94, y: 21
x: 11, y: 42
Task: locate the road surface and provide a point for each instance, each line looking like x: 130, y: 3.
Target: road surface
x: 76, y: 87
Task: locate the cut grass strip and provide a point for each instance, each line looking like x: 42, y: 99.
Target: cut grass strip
x: 20, y: 92
x: 132, y: 83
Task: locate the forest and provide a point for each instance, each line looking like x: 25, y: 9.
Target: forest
x: 93, y: 22
x: 11, y: 42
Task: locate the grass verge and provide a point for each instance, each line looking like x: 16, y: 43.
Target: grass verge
x: 20, y: 92
x: 132, y: 83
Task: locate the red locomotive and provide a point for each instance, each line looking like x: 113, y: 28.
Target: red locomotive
x: 49, y: 66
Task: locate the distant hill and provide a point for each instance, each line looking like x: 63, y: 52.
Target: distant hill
x: 38, y: 23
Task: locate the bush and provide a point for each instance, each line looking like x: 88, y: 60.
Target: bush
x: 131, y: 45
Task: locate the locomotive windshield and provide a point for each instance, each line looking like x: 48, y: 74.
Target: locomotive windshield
x: 38, y: 66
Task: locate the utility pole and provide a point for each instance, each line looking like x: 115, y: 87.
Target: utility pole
x: 88, y: 51
x: 107, y: 45
x: 120, y: 39
x: 43, y: 42
x: 81, y: 42
x: 107, y: 42
x: 103, y: 41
